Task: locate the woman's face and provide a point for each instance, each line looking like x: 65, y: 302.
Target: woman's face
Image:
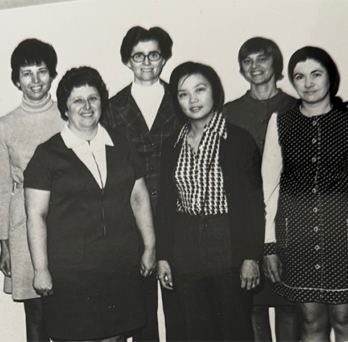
x: 195, y: 96
x: 84, y: 109
x: 34, y: 81
x: 311, y: 81
x: 146, y: 72
x: 258, y: 68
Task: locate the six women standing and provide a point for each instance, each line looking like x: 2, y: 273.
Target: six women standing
x: 210, y: 199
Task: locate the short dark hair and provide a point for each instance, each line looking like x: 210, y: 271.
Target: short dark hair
x: 265, y: 46
x: 79, y: 77
x: 192, y: 68
x: 33, y: 52
x: 322, y: 57
x: 137, y: 34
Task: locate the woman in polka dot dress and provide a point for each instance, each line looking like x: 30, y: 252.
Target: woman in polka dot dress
x: 305, y: 174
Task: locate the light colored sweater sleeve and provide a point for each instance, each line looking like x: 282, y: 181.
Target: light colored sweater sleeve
x: 272, y: 165
x: 6, y: 185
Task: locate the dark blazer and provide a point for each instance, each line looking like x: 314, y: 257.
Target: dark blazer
x: 241, y: 166
x: 78, y: 207
x: 123, y: 114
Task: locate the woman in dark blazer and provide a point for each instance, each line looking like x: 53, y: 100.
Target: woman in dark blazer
x: 210, y: 219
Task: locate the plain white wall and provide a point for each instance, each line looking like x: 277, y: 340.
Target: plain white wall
x: 89, y: 32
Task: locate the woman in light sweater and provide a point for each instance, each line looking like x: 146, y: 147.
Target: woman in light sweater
x: 33, y: 64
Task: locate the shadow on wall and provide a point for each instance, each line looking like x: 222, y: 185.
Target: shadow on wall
x: 5, y: 4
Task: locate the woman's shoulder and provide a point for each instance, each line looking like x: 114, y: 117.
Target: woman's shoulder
x: 234, y: 131
x: 54, y: 143
x: 11, y: 117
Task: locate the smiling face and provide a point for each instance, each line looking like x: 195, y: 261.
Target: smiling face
x: 195, y: 96
x: 311, y: 81
x: 146, y: 72
x: 258, y: 68
x: 34, y: 81
x: 84, y: 109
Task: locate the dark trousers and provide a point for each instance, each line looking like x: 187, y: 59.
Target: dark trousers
x: 174, y: 322
x: 35, y: 322
x: 214, y: 305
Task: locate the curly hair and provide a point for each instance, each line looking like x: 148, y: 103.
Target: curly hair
x: 78, y: 77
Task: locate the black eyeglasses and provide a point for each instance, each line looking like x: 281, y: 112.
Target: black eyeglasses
x: 153, y: 56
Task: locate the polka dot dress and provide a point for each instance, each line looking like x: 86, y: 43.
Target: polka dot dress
x: 312, y: 217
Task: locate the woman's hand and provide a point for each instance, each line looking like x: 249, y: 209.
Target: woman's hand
x: 5, y: 260
x: 148, y: 262
x: 43, y: 283
x: 249, y: 274
x: 164, y: 274
x: 273, y: 268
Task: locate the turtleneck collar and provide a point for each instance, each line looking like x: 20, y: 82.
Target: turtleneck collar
x: 37, y: 107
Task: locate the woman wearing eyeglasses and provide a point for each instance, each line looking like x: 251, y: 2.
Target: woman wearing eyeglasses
x: 144, y: 112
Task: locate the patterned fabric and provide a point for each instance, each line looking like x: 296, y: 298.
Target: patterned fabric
x: 124, y: 115
x: 312, y: 216
x: 198, y: 177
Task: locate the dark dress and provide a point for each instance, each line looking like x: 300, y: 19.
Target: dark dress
x: 254, y: 115
x: 312, y: 216
x: 91, y: 240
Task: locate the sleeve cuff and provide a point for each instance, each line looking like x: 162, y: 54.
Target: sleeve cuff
x: 269, y: 248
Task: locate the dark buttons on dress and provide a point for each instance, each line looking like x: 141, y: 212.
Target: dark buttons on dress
x: 152, y: 168
x: 153, y: 193
x: 152, y: 145
x: 317, y: 247
x: 317, y: 266
x: 316, y: 229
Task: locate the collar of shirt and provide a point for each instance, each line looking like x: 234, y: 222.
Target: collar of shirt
x: 92, y: 154
x: 148, y: 100
x: 216, y: 125
x: 138, y: 90
x: 72, y: 141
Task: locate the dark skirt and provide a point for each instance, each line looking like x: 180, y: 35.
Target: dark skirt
x: 96, y: 298
x: 214, y: 306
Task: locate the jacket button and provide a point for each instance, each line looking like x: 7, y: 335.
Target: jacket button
x: 153, y: 193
